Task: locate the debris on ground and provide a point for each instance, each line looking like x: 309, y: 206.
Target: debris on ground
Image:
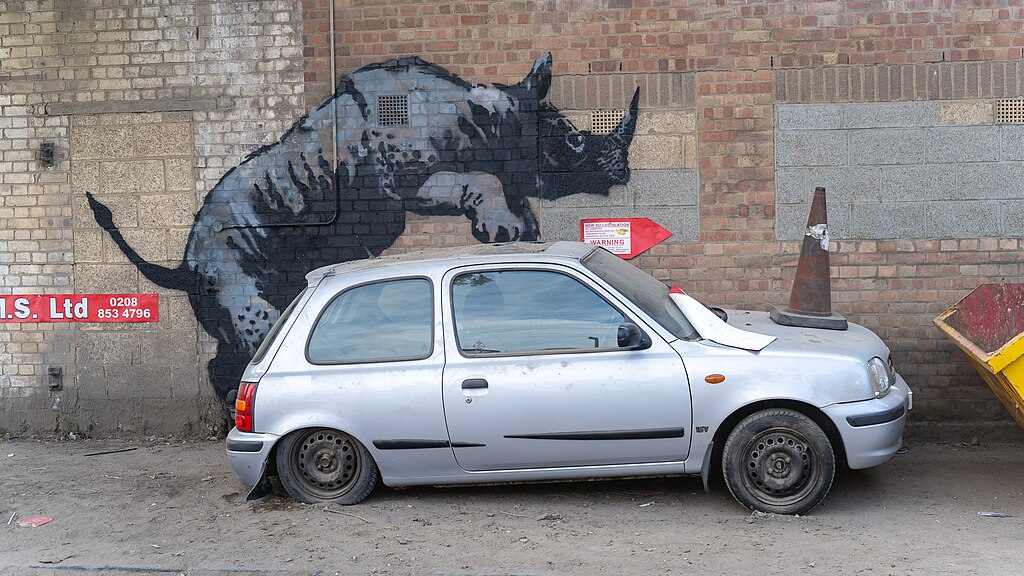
x: 992, y: 514
x: 118, y: 451
x: 35, y: 521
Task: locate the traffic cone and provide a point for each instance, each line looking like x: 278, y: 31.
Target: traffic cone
x: 810, y: 303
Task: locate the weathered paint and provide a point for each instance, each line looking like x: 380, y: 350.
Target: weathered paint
x: 988, y: 325
x: 481, y: 151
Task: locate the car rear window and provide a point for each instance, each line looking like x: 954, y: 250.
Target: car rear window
x: 275, y: 329
x: 379, y: 322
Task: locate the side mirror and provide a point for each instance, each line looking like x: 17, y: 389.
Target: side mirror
x: 632, y: 337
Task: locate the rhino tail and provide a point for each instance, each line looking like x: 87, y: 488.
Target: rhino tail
x: 180, y: 278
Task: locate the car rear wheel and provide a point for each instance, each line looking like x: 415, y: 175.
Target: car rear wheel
x: 324, y: 465
x: 778, y: 461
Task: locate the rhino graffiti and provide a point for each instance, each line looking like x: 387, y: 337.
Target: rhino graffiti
x: 395, y: 137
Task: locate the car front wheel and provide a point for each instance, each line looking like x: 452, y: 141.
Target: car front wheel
x: 325, y: 466
x: 779, y: 461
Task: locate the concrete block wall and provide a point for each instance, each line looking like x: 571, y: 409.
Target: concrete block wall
x: 925, y: 169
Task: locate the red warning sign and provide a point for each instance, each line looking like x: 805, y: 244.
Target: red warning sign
x: 625, y: 237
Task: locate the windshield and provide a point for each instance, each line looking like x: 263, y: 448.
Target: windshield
x: 642, y: 289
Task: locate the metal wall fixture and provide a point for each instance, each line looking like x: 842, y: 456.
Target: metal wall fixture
x: 47, y: 154
x: 393, y: 110
x: 1010, y: 111
x: 56, y: 377
x: 605, y: 121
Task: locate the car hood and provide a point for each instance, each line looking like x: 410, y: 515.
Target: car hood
x: 855, y: 342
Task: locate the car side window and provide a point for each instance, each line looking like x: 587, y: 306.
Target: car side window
x: 523, y: 311
x: 380, y: 322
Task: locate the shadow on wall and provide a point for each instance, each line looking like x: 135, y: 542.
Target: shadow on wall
x: 409, y: 136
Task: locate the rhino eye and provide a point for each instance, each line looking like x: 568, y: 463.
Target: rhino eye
x: 575, y: 141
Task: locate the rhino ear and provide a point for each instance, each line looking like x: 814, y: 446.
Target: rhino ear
x: 539, y: 78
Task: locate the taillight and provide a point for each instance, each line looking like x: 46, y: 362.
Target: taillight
x: 243, y: 406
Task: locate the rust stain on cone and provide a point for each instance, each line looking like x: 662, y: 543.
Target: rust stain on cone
x: 810, y: 302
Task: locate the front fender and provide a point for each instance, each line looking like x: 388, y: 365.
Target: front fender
x: 753, y: 378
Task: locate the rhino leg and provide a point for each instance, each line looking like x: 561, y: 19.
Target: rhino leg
x: 236, y: 291
x: 480, y: 196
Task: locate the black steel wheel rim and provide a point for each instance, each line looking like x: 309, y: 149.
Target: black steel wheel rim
x: 327, y: 462
x: 780, y: 467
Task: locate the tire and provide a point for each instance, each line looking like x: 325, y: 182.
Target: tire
x: 778, y: 461
x: 325, y: 466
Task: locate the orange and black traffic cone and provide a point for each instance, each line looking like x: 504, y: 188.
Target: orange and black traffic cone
x: 810, y: 303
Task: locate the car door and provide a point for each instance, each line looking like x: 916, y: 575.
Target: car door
x: 373, y: 365
x: 534, y: 377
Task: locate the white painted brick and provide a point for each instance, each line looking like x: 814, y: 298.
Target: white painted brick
x: 124, y: 54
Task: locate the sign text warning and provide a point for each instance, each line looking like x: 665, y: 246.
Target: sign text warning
x: 624, y: 237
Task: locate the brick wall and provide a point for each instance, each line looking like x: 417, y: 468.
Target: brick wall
x: 745, y: 60
x: 147, y: 107
x: 717, y: 85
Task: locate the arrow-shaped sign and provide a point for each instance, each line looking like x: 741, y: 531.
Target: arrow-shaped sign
x: 625, y: 237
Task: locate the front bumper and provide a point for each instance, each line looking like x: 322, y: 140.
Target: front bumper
x: 872, y: 430
x: 248, y: 454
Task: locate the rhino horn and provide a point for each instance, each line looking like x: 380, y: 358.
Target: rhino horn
x: 623, y: 133
x: 539, y: 78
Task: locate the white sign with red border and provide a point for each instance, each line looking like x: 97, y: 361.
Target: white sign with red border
x: 613, y: 236
x: 624, y: 237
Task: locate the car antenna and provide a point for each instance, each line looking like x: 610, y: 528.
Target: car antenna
x: 363, y: 244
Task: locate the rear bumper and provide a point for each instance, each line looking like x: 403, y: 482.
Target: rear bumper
x: 248, y: 454
x: 872, y: 430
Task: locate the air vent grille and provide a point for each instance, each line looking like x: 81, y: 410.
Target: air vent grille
x: 393, y: 110
x: 605, y: 121
x: 1010, y: 111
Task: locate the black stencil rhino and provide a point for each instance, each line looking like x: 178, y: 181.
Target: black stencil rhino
x: 410, y: 136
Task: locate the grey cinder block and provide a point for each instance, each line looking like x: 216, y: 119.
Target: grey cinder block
x: 886, y: 146
x: 918, y: 183
x: 791, y: 221
x: 888, y: 220
x: 1013, y: 218
x: 963, y: 219
x: 962, y: 144
x: 1012, y: 142
x: 891, y: 115
x: 664, y: 187
x: 986, y: 181
x: 811, y: 148
x: 842, y: 184
x: 808, y: 117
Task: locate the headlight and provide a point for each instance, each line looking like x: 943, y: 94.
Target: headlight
x: 878, y: 373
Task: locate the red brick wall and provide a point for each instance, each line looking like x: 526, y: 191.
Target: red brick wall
x: 492, y: 39
x: 746, y: 57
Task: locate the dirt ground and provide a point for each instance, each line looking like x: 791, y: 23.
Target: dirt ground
x: 172, y: 507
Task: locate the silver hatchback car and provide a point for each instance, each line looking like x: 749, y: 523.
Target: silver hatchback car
x: 538, y: 362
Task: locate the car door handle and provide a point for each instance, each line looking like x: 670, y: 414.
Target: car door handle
x: 474, y: 383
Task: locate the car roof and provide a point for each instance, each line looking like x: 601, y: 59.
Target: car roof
x: 482, y: 253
